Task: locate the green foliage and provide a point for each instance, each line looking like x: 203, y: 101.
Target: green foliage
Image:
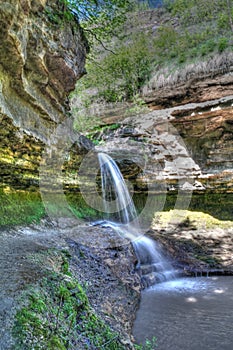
x: 200, y: 32
x: 222, y: 44
x: 104, y: 18
x: 99, y: 19
x: 223, y: 21
x: 120, y: 76
x: 195, y: 12
x: 84, y: 119
x: 58, y: 316
x: 96, y: 134
x: 101, y: 129
x: 138, y: 106
x: 181, y: 46
x: 203, y: 27
x: 166, y: 38
x: 149, y: 345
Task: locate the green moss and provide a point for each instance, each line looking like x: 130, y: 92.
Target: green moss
x: 56, y: 314
x: 80, y: 208
x: 192, y: 219
x: 25, y: 207
x: 217, y: 205
x: 55, y: 344
x: 207, y: 259
x: 20, y: 207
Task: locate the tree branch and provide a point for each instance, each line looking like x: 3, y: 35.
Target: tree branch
x: 99, y: 41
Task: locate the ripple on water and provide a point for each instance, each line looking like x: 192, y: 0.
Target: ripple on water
x: 188, y: 314
x: 181, y: 285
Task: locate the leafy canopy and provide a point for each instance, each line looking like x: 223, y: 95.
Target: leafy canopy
x: 100, y: 19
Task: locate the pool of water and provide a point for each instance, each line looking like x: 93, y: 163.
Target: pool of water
x: 187, y: 314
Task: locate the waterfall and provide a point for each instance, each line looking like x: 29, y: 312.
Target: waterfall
x: 115, y: 193
x: 121, y: 214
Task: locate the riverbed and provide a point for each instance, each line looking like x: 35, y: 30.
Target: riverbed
x: 187, y: 314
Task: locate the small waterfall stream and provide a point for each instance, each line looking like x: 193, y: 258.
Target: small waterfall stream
x: 121, y: 215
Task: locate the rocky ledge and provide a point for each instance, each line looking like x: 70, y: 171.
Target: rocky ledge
x: 183, y: 133
x: 104, y: 266
x: 187, y: 147
x: 198, y: 243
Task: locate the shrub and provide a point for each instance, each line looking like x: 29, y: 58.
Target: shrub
x: 222, y: 44
x: 194, y: 32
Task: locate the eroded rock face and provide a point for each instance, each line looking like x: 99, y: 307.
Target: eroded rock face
x: 197, y: 251
x: 209, y: 139
x: 40, y: 61
x: 200, y: 82
x: 194, y: 90
x: 185, y: 136
x: 187, y: 147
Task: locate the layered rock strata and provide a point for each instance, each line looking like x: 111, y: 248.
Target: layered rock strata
x: 41, y: 58
x: 185, y: 147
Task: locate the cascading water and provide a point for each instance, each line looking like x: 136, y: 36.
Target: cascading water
x: 122, y: 216
x: 115, y: 193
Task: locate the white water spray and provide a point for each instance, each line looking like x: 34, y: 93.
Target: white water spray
x: 122, y: 216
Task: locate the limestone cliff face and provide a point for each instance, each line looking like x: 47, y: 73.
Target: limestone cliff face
x: 201, y: 110
x: 41, y: 58
x: 191, y: 85
x: 202, y: 114
x: 209, y: 139
x: 189, y: 142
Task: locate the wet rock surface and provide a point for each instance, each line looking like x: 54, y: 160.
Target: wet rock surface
x: 197, y: 251
x: 107, y: 273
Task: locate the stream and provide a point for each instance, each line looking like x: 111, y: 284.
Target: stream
x: 184, y: 313
x: 187, y: 314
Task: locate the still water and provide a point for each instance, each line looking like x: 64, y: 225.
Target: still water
x: 187, y: 314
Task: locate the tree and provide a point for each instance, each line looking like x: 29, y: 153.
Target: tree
x: 99, y: 19
x: 120, y: 76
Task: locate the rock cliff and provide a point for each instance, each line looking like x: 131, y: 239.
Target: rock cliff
x: 41, y: 58
x: 184, y: 136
